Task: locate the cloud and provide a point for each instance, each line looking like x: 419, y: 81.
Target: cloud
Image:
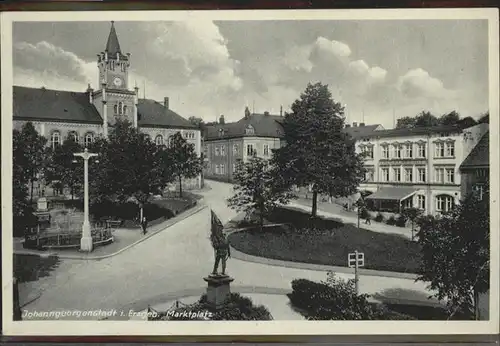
x: 332, y: 47
x: 418, y: 83
x: 297, y: 58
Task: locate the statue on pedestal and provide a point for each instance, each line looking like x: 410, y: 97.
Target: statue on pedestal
x: 220, y: 245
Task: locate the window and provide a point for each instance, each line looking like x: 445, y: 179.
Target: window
x: 221, y: 132
x: 249, y: 130
x: 189, y: 135
x: 397, y: 151
x: 385, y: 174
x: 266, y: 150
x: 450, y: 149
x: 397, y: 174
x: 205, y: 150
x: 439, y: 175
x: 159, y: 140
x: 222, y: 169
x: 234, y: 167
x: 223, y: 150
x: 124, y: 109
x: 217, y: 169
x: 217, y: 150
x: 385, y: 152
x: 409, y: 174
x: 450, y: 175
x: 481, y: 173
x: 235, y: 149
x: 421, y: 202
x: 169, y: 140
x: 478, y: 191
x: 367, y: 151
x: 115, y: 109
x: 74, y: 136
x: 439, y: 149
x: 89, y: 138
x: 250, y: 150
x: 120, y: 108
x: 444, y: 203
x: 369, y: 175
x: 421, y: 150
x: 421, y: 175
x: 55, y: 139
x: 409, y: 150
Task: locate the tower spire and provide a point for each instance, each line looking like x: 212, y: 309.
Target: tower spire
x: 113, y: 46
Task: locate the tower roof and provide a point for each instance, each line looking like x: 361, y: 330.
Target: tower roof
x: 113, y: 46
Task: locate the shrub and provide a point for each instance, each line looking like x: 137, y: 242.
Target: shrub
x: 391, y: 220
x: 336, y: 299
x: 364, y: 213
x: 401, y: 221
x: 237, y: 308
x: 379, y: 217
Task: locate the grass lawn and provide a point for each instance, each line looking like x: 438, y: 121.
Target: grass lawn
x: 328, y: 243
x: 31, y: 268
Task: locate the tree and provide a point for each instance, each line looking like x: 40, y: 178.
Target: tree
x: 318, y: 152
x: 406, y: 123
x: 485, y: 118
x: 63, y: 168
x: 467, y: 122
x: 21, y: 209
x: 258, y: 187
x: 198, y: 122
x: 451, y: 118
x: 130, y: 166
x: 32, y: 154
x: 412, y: 214
x: 455, y: 251
x: 185, y: 163
x: 426, y: 119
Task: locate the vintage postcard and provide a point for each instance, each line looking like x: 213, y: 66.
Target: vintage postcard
x: 252, y: 172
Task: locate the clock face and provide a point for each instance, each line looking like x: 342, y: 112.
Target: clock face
x: 117, y: 81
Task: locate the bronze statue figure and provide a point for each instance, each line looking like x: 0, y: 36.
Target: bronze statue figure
x: 220, y: 244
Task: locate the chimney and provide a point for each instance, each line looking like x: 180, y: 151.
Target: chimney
x: 354, y: 124
x: 166, y: 102
x: 281, y: 111
x: 266, y: 113
x: 221, y: 119
x: 90, y: 91
x: 361, y: 124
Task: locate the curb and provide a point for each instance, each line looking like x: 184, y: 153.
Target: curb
x: 181, y: 217
x: 317, y: 267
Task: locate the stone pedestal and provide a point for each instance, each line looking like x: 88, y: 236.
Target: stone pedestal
x: 218, y: 290
x: 42, y: 204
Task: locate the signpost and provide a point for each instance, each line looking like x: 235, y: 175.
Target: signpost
x: 356, y: 259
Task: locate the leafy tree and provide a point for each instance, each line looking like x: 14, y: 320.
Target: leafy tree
x: 21, y: 209
x: 318, y: 153
x: 63, y: 168
x: 185, y: 163
x: 485, y: 118
x: 258, y: 187
x: 130, y: 166
x: 455, y: 250
x: 198, y: 122
x: 406, y: 122
x: 451, y: 118
x: 412, y: 214
x: 426, y: 119
x: 32, y: 155
x: 467, y: 122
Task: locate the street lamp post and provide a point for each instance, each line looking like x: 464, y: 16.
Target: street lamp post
x: 86, y: 240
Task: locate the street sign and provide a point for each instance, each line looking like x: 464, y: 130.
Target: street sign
x: 356, y: 256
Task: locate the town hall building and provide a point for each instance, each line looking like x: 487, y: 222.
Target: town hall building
x: 59, y: 114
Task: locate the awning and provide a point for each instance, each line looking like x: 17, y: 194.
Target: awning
x: 393, y: 193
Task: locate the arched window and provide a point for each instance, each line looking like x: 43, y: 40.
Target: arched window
x: 74, y: 136
x: 89, y: 138
x: 250, y: 130
x: 159, y: 140
x: 124, y: 109
x: 55, y: 139
x: 116, y: 109
x: 169, y: 141
x: 444, y: 203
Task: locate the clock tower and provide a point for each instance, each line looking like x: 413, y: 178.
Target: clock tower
x: 114, y: 100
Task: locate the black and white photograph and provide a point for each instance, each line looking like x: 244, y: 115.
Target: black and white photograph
x: 306, y: 171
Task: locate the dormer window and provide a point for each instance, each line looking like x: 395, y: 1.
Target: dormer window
x: 221, y: 132
x: 249, y: 130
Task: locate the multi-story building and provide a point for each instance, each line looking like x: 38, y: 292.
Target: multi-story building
x: 226, y: 143
x: 58, y: 114
x: 416, y: 167
x: 475, y: 171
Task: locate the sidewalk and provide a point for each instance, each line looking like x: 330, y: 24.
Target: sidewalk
x: 124, y: 238
x: 336, y: 211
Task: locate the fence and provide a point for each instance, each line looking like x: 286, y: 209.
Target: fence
x: 100, y: 236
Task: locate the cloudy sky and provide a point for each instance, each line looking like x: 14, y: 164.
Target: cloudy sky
x: 208, y: 68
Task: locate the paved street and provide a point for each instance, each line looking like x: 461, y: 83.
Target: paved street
x: 175, y: 261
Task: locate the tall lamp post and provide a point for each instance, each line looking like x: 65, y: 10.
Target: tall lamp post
x: 86, y: 240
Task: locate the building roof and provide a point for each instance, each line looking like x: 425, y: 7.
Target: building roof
x: 113, y: 46
x: 53, y: 105
x: 480, y: 155
x: 361, y: 131
x: 415, y: 131
x: 151, y: 113
x: 393, y: 193
x: 265, y: 125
